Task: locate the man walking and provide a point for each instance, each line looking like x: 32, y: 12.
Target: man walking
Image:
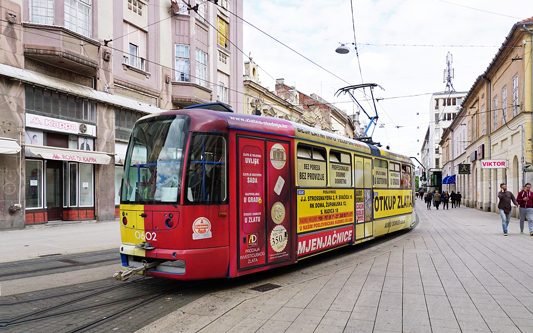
x: 525, y: 200
x: 504, y: 206
x: 458, y: 198
x: 436, y: 199
x: 453, y: 197
x: 428, y: 197
x: 445, y: 199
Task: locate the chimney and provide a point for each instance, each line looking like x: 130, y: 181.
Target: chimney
x: 280, y: 81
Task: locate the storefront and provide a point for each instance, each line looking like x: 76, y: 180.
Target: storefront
x: 59, y: 169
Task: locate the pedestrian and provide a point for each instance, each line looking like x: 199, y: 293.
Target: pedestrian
x: 436, y: 199
x: 506, y: 197
x: 428, y: 197
x: 525, y: 200
x: 445, y: 197
x: 458, y: 198
x: 453, y: 197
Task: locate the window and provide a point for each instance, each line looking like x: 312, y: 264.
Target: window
x: 515, y: 95
x: 222, y: 36
x: 201, y: 68
x: 504, y: 105
x: 495, y: 113
x: 436, y: 118
x: 59, y: 105
x: 394, y: 175
x: 78, y: 16
x: 474, y: 127
x: 311, y: 166
x: 459, y: 100
x: 136, y: 6
x: 436, y: 104
x: 34, y: 184
x: 201, y: 14
x: 42, y: 11
x: 73, y: 184
x: 380, y: 173
x: 206, y: 172
x: 340, y: 169
x: 119, y: 173
x: 182, y: 67
x: 223, y: 93
x: 134, y: 59
x: 406, y: 176
x: 124, y: 121
x: 483, y: 126
x: 222, y: 58
x: 437, y: 163
x: 454, y: 101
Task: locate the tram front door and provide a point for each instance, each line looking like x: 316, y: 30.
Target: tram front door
x: 264, y: 187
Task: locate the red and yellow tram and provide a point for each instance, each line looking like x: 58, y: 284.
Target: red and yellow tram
x: 210, y: 194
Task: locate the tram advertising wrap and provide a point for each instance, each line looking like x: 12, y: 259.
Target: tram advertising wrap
x: 392, y: 202
x: 319, y: 209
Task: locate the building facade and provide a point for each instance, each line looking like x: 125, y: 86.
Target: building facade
x: 75, y: 75
x: 495, y: 124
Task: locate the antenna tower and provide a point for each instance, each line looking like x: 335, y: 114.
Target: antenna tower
x: 449, y: 73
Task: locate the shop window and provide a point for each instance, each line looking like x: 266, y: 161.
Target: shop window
x: 73, y: 185
x: 46, y: 103
x: 34, y: 184
x: 86, y: 185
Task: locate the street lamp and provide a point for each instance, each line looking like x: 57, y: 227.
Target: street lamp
x: 343, y: 49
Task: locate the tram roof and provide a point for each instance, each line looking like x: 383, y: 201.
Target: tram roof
x: 208, y: 120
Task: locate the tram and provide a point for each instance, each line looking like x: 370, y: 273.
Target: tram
x: 212, y: 194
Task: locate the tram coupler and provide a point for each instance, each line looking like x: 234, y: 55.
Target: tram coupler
x: 126, y: 274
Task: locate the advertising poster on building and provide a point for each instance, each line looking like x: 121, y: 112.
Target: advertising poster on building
x: 392, y: 202
x: 252, y: 223
x: 324, y: 208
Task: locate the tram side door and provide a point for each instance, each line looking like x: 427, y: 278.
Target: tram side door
x: 364, y: 204
x: 263, y: 196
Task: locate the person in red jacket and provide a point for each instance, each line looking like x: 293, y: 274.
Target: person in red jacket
x: 525, y: 200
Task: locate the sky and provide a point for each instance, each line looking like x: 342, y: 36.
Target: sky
x: 471, y: 30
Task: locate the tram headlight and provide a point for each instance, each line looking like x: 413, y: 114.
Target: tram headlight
x: 169, y: 223
x: 124, y: 220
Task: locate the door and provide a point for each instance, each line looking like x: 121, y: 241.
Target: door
x: 54, y: 193
x: 264, y: 194
x: 364, y: 227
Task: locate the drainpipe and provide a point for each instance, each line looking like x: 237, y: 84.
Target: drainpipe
x: 489, y: 118
x: 528, y: 101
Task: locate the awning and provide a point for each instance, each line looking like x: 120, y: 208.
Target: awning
x: 445, y: 180
x: 27, y: 76
x: 62, y: 154
x: 451, y: 180
x: 9, y: 146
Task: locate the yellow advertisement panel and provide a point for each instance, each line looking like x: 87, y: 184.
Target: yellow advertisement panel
x: 392, y: 202
x: 325, y: 208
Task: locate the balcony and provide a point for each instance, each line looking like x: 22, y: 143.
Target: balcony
x: 61, y: 47
x: 188, y: 93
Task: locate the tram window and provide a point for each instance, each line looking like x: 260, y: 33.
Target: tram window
x: 340, y: 170
x: 311, y: 166
x: 406, y: 176
x: 359, y: 180
x: 380, y: 173
x: 394, y: 175
x: 206, y: 171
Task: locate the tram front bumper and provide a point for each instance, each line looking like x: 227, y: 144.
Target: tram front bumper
x: 196, y: 264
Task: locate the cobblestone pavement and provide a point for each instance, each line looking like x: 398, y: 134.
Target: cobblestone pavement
x: 455, y: 272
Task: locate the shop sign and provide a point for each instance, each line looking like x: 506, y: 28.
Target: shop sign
x: 464, y: 169
x: 494, y: 164
x: 317, y: 242
x: 59, y: 125
x: 480, y: 152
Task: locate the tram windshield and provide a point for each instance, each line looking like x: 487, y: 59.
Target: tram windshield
x: 154, y: 162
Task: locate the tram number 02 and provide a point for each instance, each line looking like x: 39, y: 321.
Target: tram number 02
x: 149, y: 236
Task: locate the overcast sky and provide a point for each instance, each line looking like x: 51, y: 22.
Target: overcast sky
x: 315, y: 28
